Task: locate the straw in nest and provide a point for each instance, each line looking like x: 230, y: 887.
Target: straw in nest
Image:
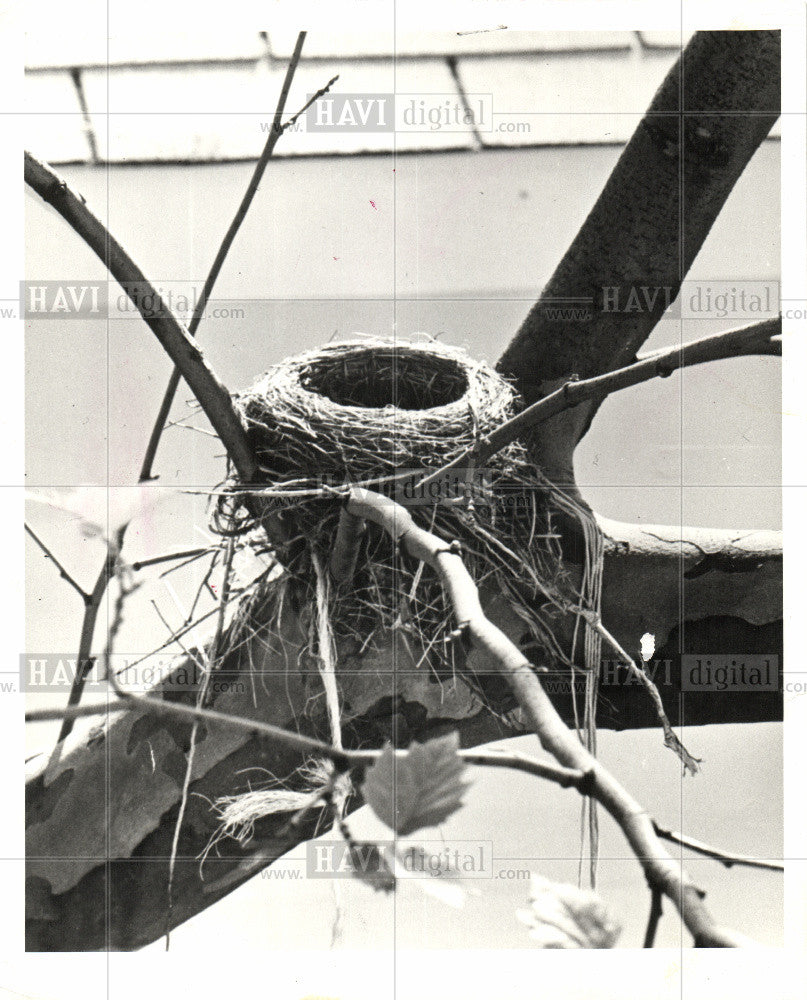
x: 381, y: 414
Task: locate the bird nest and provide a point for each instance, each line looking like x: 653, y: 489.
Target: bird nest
x: 383, y: 415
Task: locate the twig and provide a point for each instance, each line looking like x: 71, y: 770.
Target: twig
x: 203, y: 586
x: 170, y: 557
x: 173, y: 569
x: 212, y: 661
x: 759, y: 338
x: 312, y: 100
x: 724, y: 857
x: 62, y: 571
x: 670, y: 739
x: 653, y: 918
x: 181, y: 632
x: 84, y: 661
x: 275, y: 133
x: 563, y: 776
x: 205, y: 385
x: 345, y: 551
x: 566, y: 777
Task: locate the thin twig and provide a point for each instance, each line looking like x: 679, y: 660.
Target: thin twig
x: 212, y: 662
x: 62, y: 571
x: 84, y: 660
x: 759, y: 338
x: 170, y: 557
x: 312, y: 100
x: 671, y: 741
x: 563, y: 776
x: 173, y: 382
x: 345, y: 552
x: 566, y: 777
x: 203, y: 586
x: 724, y: 857
x: 173, y: 569
x: 653, y: 918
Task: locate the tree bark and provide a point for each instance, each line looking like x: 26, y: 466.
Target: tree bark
x: 114, y: 794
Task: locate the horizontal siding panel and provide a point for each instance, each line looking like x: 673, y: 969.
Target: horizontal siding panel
x: 560, y: 130
x: 129, y: 46
x: 225, y: 113
x: 594, y: 84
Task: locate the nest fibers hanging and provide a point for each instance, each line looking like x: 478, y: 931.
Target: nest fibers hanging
x: 382, y: 414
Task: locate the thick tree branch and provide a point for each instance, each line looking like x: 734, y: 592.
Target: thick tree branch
x: 711, y: 113
x: 205, y: 385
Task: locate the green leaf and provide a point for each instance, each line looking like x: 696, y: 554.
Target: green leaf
x: 420, y: 789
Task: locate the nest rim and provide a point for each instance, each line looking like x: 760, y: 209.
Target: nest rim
x: 446, y: 364
x: 281, y: 399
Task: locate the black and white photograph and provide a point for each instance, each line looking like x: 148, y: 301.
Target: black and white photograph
x: 399, y: 446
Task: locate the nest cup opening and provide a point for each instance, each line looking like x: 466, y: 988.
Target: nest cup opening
x: 379, y: 377
x: 376, y: 413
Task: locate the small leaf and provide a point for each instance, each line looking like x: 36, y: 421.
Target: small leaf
x: 563, y: 916
x: 420, y: 789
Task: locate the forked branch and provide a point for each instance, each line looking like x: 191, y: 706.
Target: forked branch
x: 498, y: 653
x: 759, y: 338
